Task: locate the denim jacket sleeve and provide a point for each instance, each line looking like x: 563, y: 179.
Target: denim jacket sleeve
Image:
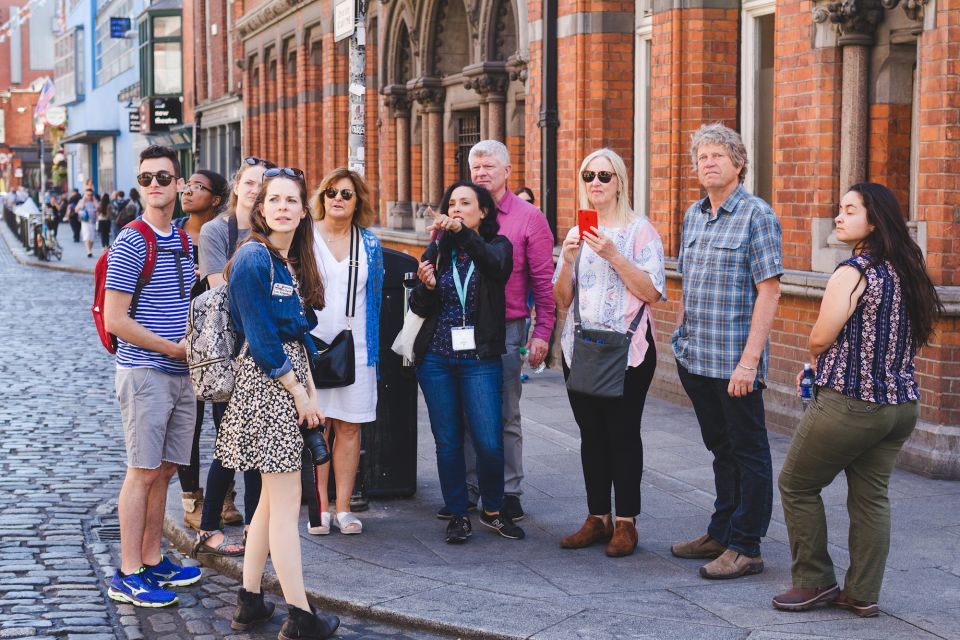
x: 249, y: 292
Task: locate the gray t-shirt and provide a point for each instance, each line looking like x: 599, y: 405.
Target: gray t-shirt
x: 214, y: 245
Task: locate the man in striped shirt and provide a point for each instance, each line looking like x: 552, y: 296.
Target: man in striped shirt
x: 157, y: 404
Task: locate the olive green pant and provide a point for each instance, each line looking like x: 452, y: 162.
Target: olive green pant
x: 862, y: 439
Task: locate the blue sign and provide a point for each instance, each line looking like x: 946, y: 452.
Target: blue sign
x: 119, y: 27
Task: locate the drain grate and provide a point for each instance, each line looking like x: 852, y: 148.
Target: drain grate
x: 106, y: 530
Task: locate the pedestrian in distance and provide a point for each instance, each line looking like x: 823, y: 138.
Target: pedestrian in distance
x: 203, y: 198
x: 87, y: 214
x: 219, y: 239
x: 525, y: 194
x: 104, y: 208
x: 730, y: 259
x: 157, y: 403
x: 878, y: 310
x: 117, y: 205
x: 343, y: 211
x: 273, y: 286
x: 461, y: 296
x: 71, y: 215
x: 613, y: 273
x: 526, y: 228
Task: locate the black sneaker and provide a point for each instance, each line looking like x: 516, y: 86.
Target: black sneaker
x: 502, y: 525
x: 444, y: 514
x: 511, y: 508
x: 459, y: 530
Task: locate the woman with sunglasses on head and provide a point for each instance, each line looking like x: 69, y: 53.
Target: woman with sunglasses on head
x: 612, y: 274
x: 342, y: 205
x: 208, y: 512
x: 274, y: 286
x: 878, y: 310
x: 461, y: 296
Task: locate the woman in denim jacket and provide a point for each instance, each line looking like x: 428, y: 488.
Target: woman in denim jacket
x: 273, y: 286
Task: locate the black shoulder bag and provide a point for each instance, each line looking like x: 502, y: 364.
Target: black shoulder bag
x: 333, y: 365
x: 599, y: 364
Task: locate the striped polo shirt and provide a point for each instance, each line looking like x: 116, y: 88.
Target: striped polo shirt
x: 163, y: 303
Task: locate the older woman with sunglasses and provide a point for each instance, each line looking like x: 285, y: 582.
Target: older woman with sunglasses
x: 612, y: 273
x: 341, y: 204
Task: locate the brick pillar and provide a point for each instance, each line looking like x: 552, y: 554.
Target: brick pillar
x: 253, y: 101
x: 311, y: 90
x: 200, y: 51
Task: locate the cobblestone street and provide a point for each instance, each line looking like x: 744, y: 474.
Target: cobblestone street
x: 61, y: 464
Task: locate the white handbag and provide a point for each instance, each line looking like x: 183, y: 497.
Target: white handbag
x: 403, y: 345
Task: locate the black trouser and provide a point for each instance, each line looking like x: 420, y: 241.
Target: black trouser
x: 75, y: 227
x: 189, y: 474
x: 611, y: 449
x: 103, y: 228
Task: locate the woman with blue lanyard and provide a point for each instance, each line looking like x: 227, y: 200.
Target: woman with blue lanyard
x: 463, y: 274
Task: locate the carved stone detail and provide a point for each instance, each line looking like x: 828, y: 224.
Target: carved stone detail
x: 430, y: 96
x: 913, y: 8
x: 488, y: 83
x: 473, y: 16
x: 517, y: 66
x: 856, y: 21
x: 269, y: 12
x: 396, y: 99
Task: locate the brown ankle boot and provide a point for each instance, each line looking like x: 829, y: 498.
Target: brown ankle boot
x: 192, y: 508
x: 229, y: 513
x: 593, y: 530
x: 624, y: 539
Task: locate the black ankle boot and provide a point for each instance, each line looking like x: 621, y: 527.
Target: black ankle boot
x: 251, y: 610
x: 307, y: 625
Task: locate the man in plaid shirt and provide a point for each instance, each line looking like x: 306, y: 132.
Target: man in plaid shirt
x: 730, y: 259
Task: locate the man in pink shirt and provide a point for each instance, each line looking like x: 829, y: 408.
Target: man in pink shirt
x: 527, y: 229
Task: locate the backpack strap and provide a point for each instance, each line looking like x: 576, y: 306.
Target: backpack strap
x: 233, y: 234
x: 149, y: 262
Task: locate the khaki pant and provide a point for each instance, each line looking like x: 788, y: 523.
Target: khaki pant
x: 862, y: 439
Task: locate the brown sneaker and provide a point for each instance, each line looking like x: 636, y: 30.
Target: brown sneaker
x: 230, y: 514
x: 731, y: 564
x: 192, y: 508
x: 803, y: 598
x: 703, y: 547
x: 624, y: 539
x: 862, y: 609
x: 593, y: 530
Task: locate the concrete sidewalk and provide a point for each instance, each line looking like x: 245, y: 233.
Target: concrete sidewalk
x: 400, y: 567
x: 74, y: 260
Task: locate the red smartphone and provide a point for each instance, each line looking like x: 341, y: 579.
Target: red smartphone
x: 586, y: 218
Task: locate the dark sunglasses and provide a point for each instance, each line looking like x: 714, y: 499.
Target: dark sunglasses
x: 291, y: 172
x: 605, y: 176
x: 164, y: 178
x: 254, y: 161
x: 331, y: 193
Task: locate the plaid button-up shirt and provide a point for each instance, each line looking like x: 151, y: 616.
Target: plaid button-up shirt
x: 722, y: 258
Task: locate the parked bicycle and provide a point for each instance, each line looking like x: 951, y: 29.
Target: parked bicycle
x: 45, y: 242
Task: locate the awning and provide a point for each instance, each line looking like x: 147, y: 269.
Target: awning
x: 90, y: 135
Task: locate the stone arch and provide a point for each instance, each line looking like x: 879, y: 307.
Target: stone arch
x: 447, y: 51
x: 399, y: 61
x: 500, y: 35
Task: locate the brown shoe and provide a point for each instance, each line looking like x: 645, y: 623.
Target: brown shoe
x: 624, y: 539
x: 192, y: 508
x: 703, y: 547
x: 862, y: 609
x: 229, y: 513
x: 593, y: 530
x: 731, y: 564
x: 803, y: 598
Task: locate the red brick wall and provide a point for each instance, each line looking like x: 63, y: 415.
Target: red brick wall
x: 28, y: 75
x: 889, y: 144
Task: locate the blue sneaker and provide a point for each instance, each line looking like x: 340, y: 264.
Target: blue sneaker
x: 168, y: 574
x: 139, y: 591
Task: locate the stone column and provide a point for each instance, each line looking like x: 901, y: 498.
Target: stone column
x: 490, y: 80
x: 400, y: 211
x: 431, y: 95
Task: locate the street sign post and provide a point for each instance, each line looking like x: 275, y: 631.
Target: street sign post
x: 119, y: 27
x: 344, y: 19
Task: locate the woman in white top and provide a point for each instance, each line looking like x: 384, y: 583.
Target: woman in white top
x: 342, y: 201
x: 620, y: 275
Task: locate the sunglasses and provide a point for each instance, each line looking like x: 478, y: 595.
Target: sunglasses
x: 605, y: 176
x: 291, y: 172
x: 254, y: 161
x: 164, y: 178
x: 331, y: 193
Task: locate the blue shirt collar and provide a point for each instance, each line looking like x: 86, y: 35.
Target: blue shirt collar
x: 729, y: 205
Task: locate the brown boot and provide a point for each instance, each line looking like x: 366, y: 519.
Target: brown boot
x: 229, y: 514
x: 192, y: 508
x: 593, y: 530
x: 624, y: 539
x: 731, y: 564
x: 702, y: 547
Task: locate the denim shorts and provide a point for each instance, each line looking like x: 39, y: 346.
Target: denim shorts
x: 159, y: 416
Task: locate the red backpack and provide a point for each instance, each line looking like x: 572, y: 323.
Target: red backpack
x: 100, y: 279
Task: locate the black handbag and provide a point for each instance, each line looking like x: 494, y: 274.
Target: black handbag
x: 599, y: 363
x: 333, y: 365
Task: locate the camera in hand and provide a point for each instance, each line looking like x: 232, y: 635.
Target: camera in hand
x: 314, y: 442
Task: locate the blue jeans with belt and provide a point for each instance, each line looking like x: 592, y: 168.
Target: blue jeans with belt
x: 465, y: 390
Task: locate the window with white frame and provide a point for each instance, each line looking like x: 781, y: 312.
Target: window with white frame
x: 756, y: 99
x: 106, y: 165
x: 112, y: 56
x: 68, y: 75
x: 641, y: 111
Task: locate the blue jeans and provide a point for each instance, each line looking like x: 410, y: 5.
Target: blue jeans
x: 457, y: 391
x: 734, y: 431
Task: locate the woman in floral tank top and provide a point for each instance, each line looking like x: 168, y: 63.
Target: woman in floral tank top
x: 878, y: 309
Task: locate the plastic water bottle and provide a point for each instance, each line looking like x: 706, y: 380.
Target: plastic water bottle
x: 525, y: 356
x: 806, y: 386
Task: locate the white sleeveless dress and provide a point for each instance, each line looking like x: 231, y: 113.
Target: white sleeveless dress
x: 357, y: 402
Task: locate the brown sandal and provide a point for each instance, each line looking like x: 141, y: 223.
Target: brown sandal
x: 201, y: 547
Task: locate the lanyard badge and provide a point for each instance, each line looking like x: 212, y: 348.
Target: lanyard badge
x: 462, y: 338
